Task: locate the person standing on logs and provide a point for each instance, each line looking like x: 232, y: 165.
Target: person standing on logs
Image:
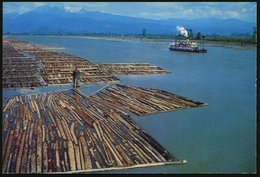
x: 76, y: 78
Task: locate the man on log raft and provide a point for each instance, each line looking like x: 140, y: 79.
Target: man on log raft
x: 76, y: 78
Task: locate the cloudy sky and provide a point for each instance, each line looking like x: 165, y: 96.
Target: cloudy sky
x: 152, y: 10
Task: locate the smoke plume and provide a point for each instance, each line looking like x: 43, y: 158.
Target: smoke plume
x: 182, y: 31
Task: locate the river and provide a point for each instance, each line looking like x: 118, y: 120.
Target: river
x: 218, y: 138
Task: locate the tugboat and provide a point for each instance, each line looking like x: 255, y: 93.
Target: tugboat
x: 187, y: 46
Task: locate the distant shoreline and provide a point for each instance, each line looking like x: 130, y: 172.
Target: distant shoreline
x: 236, y: 45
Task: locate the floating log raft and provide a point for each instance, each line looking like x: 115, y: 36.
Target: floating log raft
x: 141, y: 101
x: 20, y: 71
x: 133, y: 68
x: 94, y: 137
x: 27, y: 65
x: 56, y: 67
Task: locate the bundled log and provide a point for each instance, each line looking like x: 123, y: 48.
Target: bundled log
x: 45, y: 158
x: 39, y: 148
x: 66, y: 130
x: 5, y: 144
x: 57, y: 156
x: 28, y: 165
x: 7, y: 152
x: 77, y: 156
x: 96, y: 145
x: 50, y: 132
x: 75, y: 140
x: 82, y: 162
x: 72, y: 158
x: 123, y: 154
x: 109, y: 138
x: 58, y: 125
x: 8, y: 104
x: 5, y: 123
x: 66, y: 160
x: 114, y: 152
x: 20, y: 153
x: 16, y: 147
x: 88, y: 164
x: 33, y: 148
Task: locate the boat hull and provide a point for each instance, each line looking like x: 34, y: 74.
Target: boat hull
x: 189, y: 50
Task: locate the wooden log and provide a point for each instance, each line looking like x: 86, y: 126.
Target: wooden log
x: 142, y: 151
x: 82, y: 162
x: 110, y: 146
x: 17, y: 142
x: 31, y: 134
x: 53, y: 156
x: 39, y: 148
x: 95, y: 142
x: 49, y: 126
x: 155, y: 145
x: 43, y: 133
x: 71, y: 153
x: 52, y: 118
x: 49, y: 100
x: 37, y: 109
x: 95, y: 157
x: 9, y: 163
x: 77, y: 156
x: 31, y: 105
x: 108, y: 154
x: 21, y: 110
x: 5, y: 144
x: 75, y: 115
x: 139, y: 156
x: 88, y: 164
x: 57, y: 156
x: 45, y: 158
x: 124, y: 155
x: 49, y: 159
x: 75, y: 140
x: 85, y: 117
x: 25, y: 122
x: 8, y: 104
x: 97, y: 130
x: 26, y: 149
x: 17, y: 125
x: 66, y: 161
x: 28, y: 165
x: 33, y: 148
x: 5, y: 120
x: 20, y: 153
x: 149, y: 148
x: 7, y: 153
x: 59, y: 126
x: 61, y: 111
x: 66, y: 130
x: 46, y: 133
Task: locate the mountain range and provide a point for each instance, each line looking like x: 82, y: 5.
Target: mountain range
x: 53, y: 20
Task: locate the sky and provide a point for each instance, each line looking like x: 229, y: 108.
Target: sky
x: 152, y: 10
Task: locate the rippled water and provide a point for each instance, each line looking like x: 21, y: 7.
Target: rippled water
x: 220, y: 137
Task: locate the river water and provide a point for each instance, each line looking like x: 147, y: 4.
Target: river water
x: 218, y: 138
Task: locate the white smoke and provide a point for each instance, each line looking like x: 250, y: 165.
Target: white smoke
x: 182, y: 31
